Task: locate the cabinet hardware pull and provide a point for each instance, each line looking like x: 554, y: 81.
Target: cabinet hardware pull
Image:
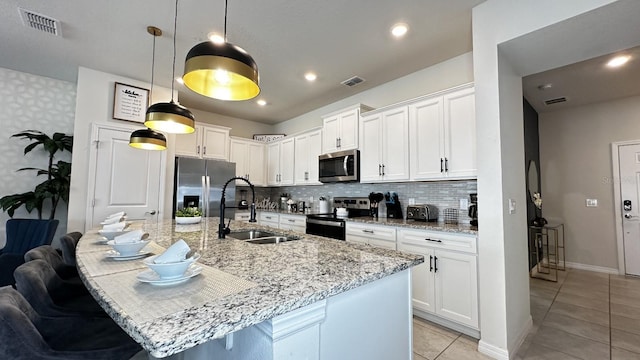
x: 198, y: 149
x: 382, y: 169
x: 204, y: 150
x: 268, y: 217
x: 379, y: 169
x: 337, y: 143
x: 432, y: 240
x: 368, y: 231
x: 441, y: 168
x: 430, y: 263
x: 435, y: 264
x: 446, y: 164
x: 291, y: 220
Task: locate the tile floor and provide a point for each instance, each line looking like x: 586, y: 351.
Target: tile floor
x: 585, y: 315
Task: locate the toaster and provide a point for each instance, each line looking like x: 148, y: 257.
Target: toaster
x: 425, y: 212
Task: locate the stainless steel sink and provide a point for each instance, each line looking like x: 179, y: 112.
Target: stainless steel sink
x: 271, y: 240
x: 251, y: 234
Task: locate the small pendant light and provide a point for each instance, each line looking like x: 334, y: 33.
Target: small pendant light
x: 148, y: 139
x: 221, y: 71
x: 171, y: 117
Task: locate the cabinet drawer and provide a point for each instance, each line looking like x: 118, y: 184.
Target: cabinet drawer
x: 267, y: 216
x: 385, y: 233
x: 242, y: 216
x: 438, y: 240
x: 293, y: 222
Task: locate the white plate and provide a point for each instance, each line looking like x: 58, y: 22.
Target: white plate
x: 152, y: 277
x: 112, y: 254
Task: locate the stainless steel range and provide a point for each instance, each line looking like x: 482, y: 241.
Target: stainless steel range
x: 332, y: 225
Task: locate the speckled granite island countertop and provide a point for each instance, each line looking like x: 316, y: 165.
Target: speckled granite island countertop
x: 242, y: 284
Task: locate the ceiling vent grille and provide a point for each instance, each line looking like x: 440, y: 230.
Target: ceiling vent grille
x: 40, y: 22
x: 555, y: 101
x: 353, y: 81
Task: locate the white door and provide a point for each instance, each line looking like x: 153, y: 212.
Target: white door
x: 629, y: 161
x: 273, y: 163
x: 214, y: 143
x: 239, y: 154
x: 370, y: 148
x: 125, y: 179
x: 256, y: 164
x: 315, y: 149
x: 330, y: 134
x: 301, y: 160
x: 422, y: 278
x: 287, y: 159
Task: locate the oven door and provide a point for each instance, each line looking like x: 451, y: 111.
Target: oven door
x: 327, y: 228
x: 340, y: 166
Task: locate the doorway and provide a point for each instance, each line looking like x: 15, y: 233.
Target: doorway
x: 626, y: 170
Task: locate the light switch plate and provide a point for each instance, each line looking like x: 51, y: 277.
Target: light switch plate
x: 512, y: 206
x: 412, y: 201
x: 464, y: 204
x: 592, y: 202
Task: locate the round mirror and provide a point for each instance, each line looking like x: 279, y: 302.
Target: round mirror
x: 532, y: 179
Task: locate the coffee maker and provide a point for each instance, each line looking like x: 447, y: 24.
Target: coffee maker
x: 473, y: 209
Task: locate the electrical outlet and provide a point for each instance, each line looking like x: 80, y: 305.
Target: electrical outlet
x: 412, y: 201
x: 464, y: 204
x: 592, y: 202
x: 512, y: 206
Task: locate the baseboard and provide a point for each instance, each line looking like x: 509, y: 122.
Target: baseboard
x: 600, y: 269
x: 492, y: 351
x: 522, y: 336
x: 448, y: 323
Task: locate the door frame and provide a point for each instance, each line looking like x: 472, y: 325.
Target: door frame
x: 617, y: 199
x: 93, y: 168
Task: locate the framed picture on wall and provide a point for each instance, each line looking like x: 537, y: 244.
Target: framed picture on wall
x: 267, y: 137
x: 130, y: 103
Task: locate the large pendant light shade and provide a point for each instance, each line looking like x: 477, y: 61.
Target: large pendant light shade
x: 147, y: 139
x: 221, y: 71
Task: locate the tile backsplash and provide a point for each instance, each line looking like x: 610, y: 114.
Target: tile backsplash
x: 443, y: 194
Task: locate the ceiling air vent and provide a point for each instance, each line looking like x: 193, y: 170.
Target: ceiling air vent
x: 555, y: 101
x: 40, y: 22
x: 353, y: 81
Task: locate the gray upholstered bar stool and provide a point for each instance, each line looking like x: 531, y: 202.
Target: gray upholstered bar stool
x: 68, y: 244
x: 50, y: 255
x: 26, y: 334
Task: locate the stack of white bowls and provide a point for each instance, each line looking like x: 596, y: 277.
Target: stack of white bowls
x: 173, y: 263
x: 129, y: 244
x: 114, y: 225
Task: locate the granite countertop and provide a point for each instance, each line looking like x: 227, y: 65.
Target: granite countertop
x: 241, y: 284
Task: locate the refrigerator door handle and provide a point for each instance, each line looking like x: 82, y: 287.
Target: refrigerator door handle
x: 207, y: 191
x: 205, y: 200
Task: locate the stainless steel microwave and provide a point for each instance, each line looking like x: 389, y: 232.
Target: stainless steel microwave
x: 342, y: 166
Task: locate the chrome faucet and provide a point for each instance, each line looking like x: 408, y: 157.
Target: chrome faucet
x: 222, y: 229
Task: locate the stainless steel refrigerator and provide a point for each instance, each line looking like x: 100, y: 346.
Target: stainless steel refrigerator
x: 199, y: 183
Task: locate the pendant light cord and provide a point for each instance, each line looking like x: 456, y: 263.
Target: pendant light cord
x: 153, y: 65
x: 173, y: 67
x: 226, y: 6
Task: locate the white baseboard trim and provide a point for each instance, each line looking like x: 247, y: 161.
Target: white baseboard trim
x: 523, y: 335
x: 492, y: 351
x: 600, y: 269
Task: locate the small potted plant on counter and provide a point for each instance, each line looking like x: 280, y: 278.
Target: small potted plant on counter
x: 188, y: 215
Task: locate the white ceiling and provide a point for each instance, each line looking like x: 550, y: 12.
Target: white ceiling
x: 336, y: 39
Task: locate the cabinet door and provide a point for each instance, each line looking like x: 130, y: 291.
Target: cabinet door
x: 348, y: 133
x: 460, y: 133
x: 315, y: 149
x: 256, y: 164
x: 422, y: 276
x: 426, y: 142
x: 330, y: 130
x: 189, y: 144
x: 395, y: 144
x: 239, y: 154
x: 215, y: 143
x: 273, y: 163
x: 301, y: 171
x: 370, y: 149
x: 287, y: 158
x: 456, y: 286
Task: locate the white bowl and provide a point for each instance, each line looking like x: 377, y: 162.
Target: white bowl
x: 188, y: 220
x: 170, y: 270
x: 127, y: 249
x: 111, y: 234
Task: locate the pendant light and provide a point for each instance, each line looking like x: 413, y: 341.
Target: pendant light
x: 221, y: 71
x: 171, y: 117
x: 148, y: 139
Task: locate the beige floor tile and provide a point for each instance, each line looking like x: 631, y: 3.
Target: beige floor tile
x: 625, y: 340
x: 582, y: 290
x: 625, y: 290
x: 533, y: 282
x: 436, y: 328
x: 579, y: 312
x: 464, y: 348
x: 624, y: 300
x: 626, y: 324
x: 577, y: 273
x: 621, y: 354
x: 625, y: 281
x: 540, y: 352
x: 429, y: 343
x: 543, y: 292
x: 418, y: 357
x: 570, y: 344
x: 588, y: 302
x: 577, y: 327
x: 626, y: 310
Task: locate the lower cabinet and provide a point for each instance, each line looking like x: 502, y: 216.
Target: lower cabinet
x: 269, y: 219
x: 293, y: 222
x: 446, y: 284
x: 374, y: 235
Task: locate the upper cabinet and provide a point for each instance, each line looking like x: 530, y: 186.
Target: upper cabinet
x: 249, y: 158
x: 308, y: 147
x: 384, y: 145
x: 443, y: 136
x: 280, y: 161
x: 340, y: 129
x: 207, y: 142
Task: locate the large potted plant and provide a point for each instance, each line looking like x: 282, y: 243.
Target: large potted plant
x: 58, y: 175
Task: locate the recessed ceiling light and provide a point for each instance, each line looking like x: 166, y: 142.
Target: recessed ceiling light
x: 310, y: 76
x: 261, y: 102
x: 216, y: 38
x: 179, y: 80
x: 618, y: 61
x: 399, y: 30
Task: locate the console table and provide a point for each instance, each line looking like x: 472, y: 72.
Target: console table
x: 548, y: 247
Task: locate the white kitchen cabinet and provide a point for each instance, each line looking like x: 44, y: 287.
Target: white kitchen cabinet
x: 308, y: 147
x: 293, y: 222
x: 280, y: 162
x: 207, y: 142
x: 384, y: 145
x: 446, y: 284
x: 443, y: 136
x: 249, y: 158
x: 374, y: 235
x: 269, y: 219
x: 340, y: 129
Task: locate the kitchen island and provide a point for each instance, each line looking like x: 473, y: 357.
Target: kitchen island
x: 313, y: 298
